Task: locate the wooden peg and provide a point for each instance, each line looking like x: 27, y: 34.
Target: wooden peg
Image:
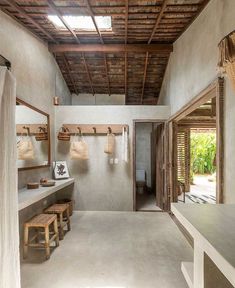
x: 94, y: 128
x: 42, y: 129
x: 80, y: 131
x: 28, y: 129
x: 109, y: 130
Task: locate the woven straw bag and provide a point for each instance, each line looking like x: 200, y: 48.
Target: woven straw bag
x: 41, y: 134
x: 64, y: 134
x: 79, y: 150
x: 110, y: 144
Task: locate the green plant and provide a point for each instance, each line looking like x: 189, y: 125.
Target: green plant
x: 203, y: 150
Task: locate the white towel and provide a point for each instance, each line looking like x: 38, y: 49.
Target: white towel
x: 125, y: 145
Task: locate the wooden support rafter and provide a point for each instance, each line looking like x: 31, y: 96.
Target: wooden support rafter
x: 126, y: 21
x: 21, y: 11
x: 126, y: 41
x: 144, y: 77
x: 101, y: 40
x: 126, y: 88
x: 94, y: 21
x: 66, y: 63
x: 163, y: 8
x: 58, y: 14
x: 106, y: 73
x: 112, y: 48
x: 88, y: 73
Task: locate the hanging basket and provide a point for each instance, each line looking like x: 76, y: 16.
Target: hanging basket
x: 64, y: 134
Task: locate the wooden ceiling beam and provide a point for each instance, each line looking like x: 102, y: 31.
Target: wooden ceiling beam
x: 94, y: 21
x: 126, y: 41
x: 101, y: 40
x: 21, y: 11
x: 60, y: 16
x: 112, y: 48
x: 66, y: 64
x: 163, y: 8
x: 126, y: 21
x: 126, y: 75
x: 57, y: 12
x: 88, y: 74
x: 145, y: 74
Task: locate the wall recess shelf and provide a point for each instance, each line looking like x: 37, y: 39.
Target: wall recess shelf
x: 28, y: 197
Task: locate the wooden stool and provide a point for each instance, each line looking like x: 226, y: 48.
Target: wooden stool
x: 41, y: 221
x: 62, y: 212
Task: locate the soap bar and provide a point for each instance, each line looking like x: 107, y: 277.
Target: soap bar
x: 32, y: 185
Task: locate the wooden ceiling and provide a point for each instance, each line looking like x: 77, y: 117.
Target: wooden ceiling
x: 131, y: 59
x: 202, y: 117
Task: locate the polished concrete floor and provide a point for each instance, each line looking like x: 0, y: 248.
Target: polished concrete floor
x: 113, y: 250
x: 146, y: 202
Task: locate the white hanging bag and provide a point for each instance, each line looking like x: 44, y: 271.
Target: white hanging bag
x: 25, y: 149
x: 79, y: 149
x: 110, y: 144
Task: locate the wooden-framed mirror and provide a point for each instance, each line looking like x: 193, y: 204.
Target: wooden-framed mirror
x: 32, y: 137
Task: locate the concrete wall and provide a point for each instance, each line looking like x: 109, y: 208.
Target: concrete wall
x: 37, y: 74
x: 98, y: 99
x: 193, y: 66
x: 143, y: 149
x: 100, y: 185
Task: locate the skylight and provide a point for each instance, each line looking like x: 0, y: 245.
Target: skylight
x: 84, y: 23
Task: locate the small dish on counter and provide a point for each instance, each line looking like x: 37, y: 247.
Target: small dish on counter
x: 32, y: 185
x: 48, y: 184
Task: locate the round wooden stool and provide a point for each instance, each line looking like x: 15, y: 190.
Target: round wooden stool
x: 41, y: 221
x: 63, y: 216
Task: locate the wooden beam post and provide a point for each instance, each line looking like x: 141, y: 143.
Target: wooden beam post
x: 112, y: 48
x: 57, y: 12
x: 163, y: 8
x: 126, y: 41
x: 60, y: 16
x: 145, y: 74
x: 126, y: 67
x: 66, y: 63
x: 101, y: 40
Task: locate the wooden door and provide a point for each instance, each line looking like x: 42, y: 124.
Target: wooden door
x: 183, y: 157
x: 160, y: 166
x: 171, y: 163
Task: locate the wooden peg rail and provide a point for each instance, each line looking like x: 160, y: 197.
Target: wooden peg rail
x: 92, y: 129
x: 31, y: 129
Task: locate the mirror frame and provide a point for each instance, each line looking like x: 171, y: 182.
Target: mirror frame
x: 22, y: 102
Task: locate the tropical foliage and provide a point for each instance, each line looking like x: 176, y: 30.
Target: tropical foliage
x: 203, y: 150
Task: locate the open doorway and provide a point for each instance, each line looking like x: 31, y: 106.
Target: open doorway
x: 196, y: 179
x: 148, y: 163
x: 196, y: 155
x: 196, y: 148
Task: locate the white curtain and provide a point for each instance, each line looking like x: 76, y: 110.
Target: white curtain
x: 9, y: 234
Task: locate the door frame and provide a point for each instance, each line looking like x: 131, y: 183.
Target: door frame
x: 135, y: 121
x: 214, y: 90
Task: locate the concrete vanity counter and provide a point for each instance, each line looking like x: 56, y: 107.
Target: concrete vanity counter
x: 213, y: 230
x: 27, y: 197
